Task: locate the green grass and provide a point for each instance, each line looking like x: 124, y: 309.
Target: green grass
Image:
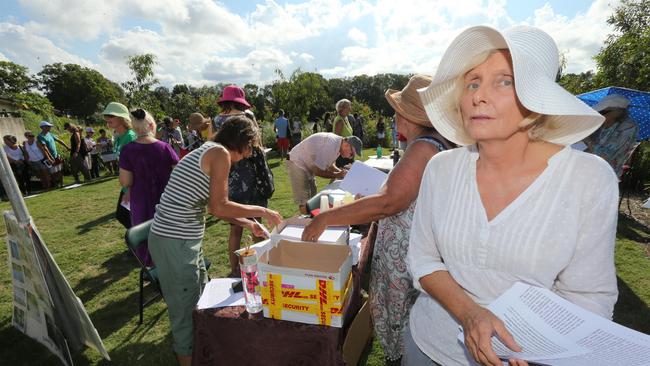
x: 88, y: 245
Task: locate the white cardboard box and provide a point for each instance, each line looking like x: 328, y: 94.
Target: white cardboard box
x: 296, y: 278
x: 293, y: 227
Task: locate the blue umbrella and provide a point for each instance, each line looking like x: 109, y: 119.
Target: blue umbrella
x: 638, y: 110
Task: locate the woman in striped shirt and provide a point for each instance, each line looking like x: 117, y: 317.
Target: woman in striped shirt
x: 175, y: 240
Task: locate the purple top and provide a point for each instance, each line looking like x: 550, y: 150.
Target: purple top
x: 151, y: 165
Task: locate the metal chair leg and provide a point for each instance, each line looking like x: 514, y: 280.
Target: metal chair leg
x: 141, y: 295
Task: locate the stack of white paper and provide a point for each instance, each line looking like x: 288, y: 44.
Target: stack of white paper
x: 553, y: 331
x: 218, y: 293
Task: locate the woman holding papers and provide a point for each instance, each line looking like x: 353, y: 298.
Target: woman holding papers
x: 175, y: 240
x: 515, y: 203
x: 391, y: 290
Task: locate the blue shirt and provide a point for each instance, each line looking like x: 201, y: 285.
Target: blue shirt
x: 48, y: 140
x: 281, y: 125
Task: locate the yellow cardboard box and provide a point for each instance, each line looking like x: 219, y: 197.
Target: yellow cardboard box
x: 306, y: 282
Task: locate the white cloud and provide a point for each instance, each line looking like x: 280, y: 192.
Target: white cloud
x: 306, y: 57
x: 358, y: 36
x: 3, y: 57
x: 579, y: 38
x: 23, y: 47
x: 203, y: 41
x: 74, y: 19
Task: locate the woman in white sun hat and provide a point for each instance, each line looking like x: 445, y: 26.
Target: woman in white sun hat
x: 516, y: 202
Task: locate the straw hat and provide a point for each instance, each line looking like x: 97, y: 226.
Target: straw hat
x: 197, y: 120
x: 535, y: 63
x: 407, y: 102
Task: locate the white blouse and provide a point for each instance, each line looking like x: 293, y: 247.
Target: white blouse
x: 558, y: 234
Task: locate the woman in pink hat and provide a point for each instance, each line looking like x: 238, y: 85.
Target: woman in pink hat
x: 243, y: 179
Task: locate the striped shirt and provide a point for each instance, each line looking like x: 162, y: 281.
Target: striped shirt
x: 181, y: 211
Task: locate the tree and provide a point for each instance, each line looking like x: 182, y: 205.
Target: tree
x: 14, y: 78
x: 77, y: 90
x: 578, y: 83
x: 143, y: 79
x: 625, y: 58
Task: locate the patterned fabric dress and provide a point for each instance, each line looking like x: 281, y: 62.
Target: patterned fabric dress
x: 391, y: 287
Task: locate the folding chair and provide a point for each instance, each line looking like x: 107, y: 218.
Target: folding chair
x: 134, y: 237
x: 624, y: 179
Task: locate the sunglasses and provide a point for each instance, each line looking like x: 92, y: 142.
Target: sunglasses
x: 138, y: 113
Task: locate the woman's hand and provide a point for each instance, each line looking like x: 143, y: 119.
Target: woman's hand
x: 257, y: 230
x: 273, y: 217
x: 479, y: 325
x: 517, y: 362
x: 314, y: 229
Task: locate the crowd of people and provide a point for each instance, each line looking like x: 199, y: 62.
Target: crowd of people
x: 488, y: 192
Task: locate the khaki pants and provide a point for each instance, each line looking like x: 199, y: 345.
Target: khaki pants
x: 303, y: 183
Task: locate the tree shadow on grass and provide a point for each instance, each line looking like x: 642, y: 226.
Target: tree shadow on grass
x: 630, y: 310
x: 632, y: 229
x: 143, y: 353
x: 87, y: 226
x: 19, y: 349
x: 274, y: 164
x: 116, y: 268
x: 116, y: 314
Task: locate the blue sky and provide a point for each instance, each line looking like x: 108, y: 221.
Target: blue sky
x: 203, y: 42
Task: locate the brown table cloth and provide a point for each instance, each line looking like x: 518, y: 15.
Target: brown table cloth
x: 227, y: 336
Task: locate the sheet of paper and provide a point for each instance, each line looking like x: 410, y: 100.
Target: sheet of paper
x: 218, y: 294
x: 330, y: 235
x: 554, y: 331
x: 384, y: 164
x: 363, y: 179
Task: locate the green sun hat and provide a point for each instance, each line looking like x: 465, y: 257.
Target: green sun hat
x: 117, y: 109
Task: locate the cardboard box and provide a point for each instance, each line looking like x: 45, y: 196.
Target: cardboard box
x: 306, y: 282
x: 359, y: 335
x: 292, y: 228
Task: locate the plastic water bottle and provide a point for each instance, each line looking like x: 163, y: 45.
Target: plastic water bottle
x: 378, y: 151
x: 251, y: 283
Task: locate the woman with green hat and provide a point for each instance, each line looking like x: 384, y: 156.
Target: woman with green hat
x: 118, y: 119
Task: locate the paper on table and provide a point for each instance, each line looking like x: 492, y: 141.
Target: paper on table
x: 553, y: 331
x: 218, y: 294
x: 363, y: 179
x: 330, y: 235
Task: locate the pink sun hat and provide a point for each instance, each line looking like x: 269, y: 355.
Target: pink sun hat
x: 233, y: 93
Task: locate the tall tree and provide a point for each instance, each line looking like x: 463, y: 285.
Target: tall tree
x: 14, y: 78
x: 77, y: 90
x: 625, y: 58
x: 143, y: 79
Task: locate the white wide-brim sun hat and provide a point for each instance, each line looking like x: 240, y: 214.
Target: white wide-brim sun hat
x: 535, y: 62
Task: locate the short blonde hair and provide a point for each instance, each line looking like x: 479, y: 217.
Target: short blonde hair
x: 342, y: 104
x: 126, y: 122
x: 146, y: 125
x: 537, y: 125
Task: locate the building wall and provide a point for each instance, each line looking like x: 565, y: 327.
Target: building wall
x: 13, y: 126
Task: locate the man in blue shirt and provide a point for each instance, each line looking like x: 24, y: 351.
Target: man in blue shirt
x: 280, y: 127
